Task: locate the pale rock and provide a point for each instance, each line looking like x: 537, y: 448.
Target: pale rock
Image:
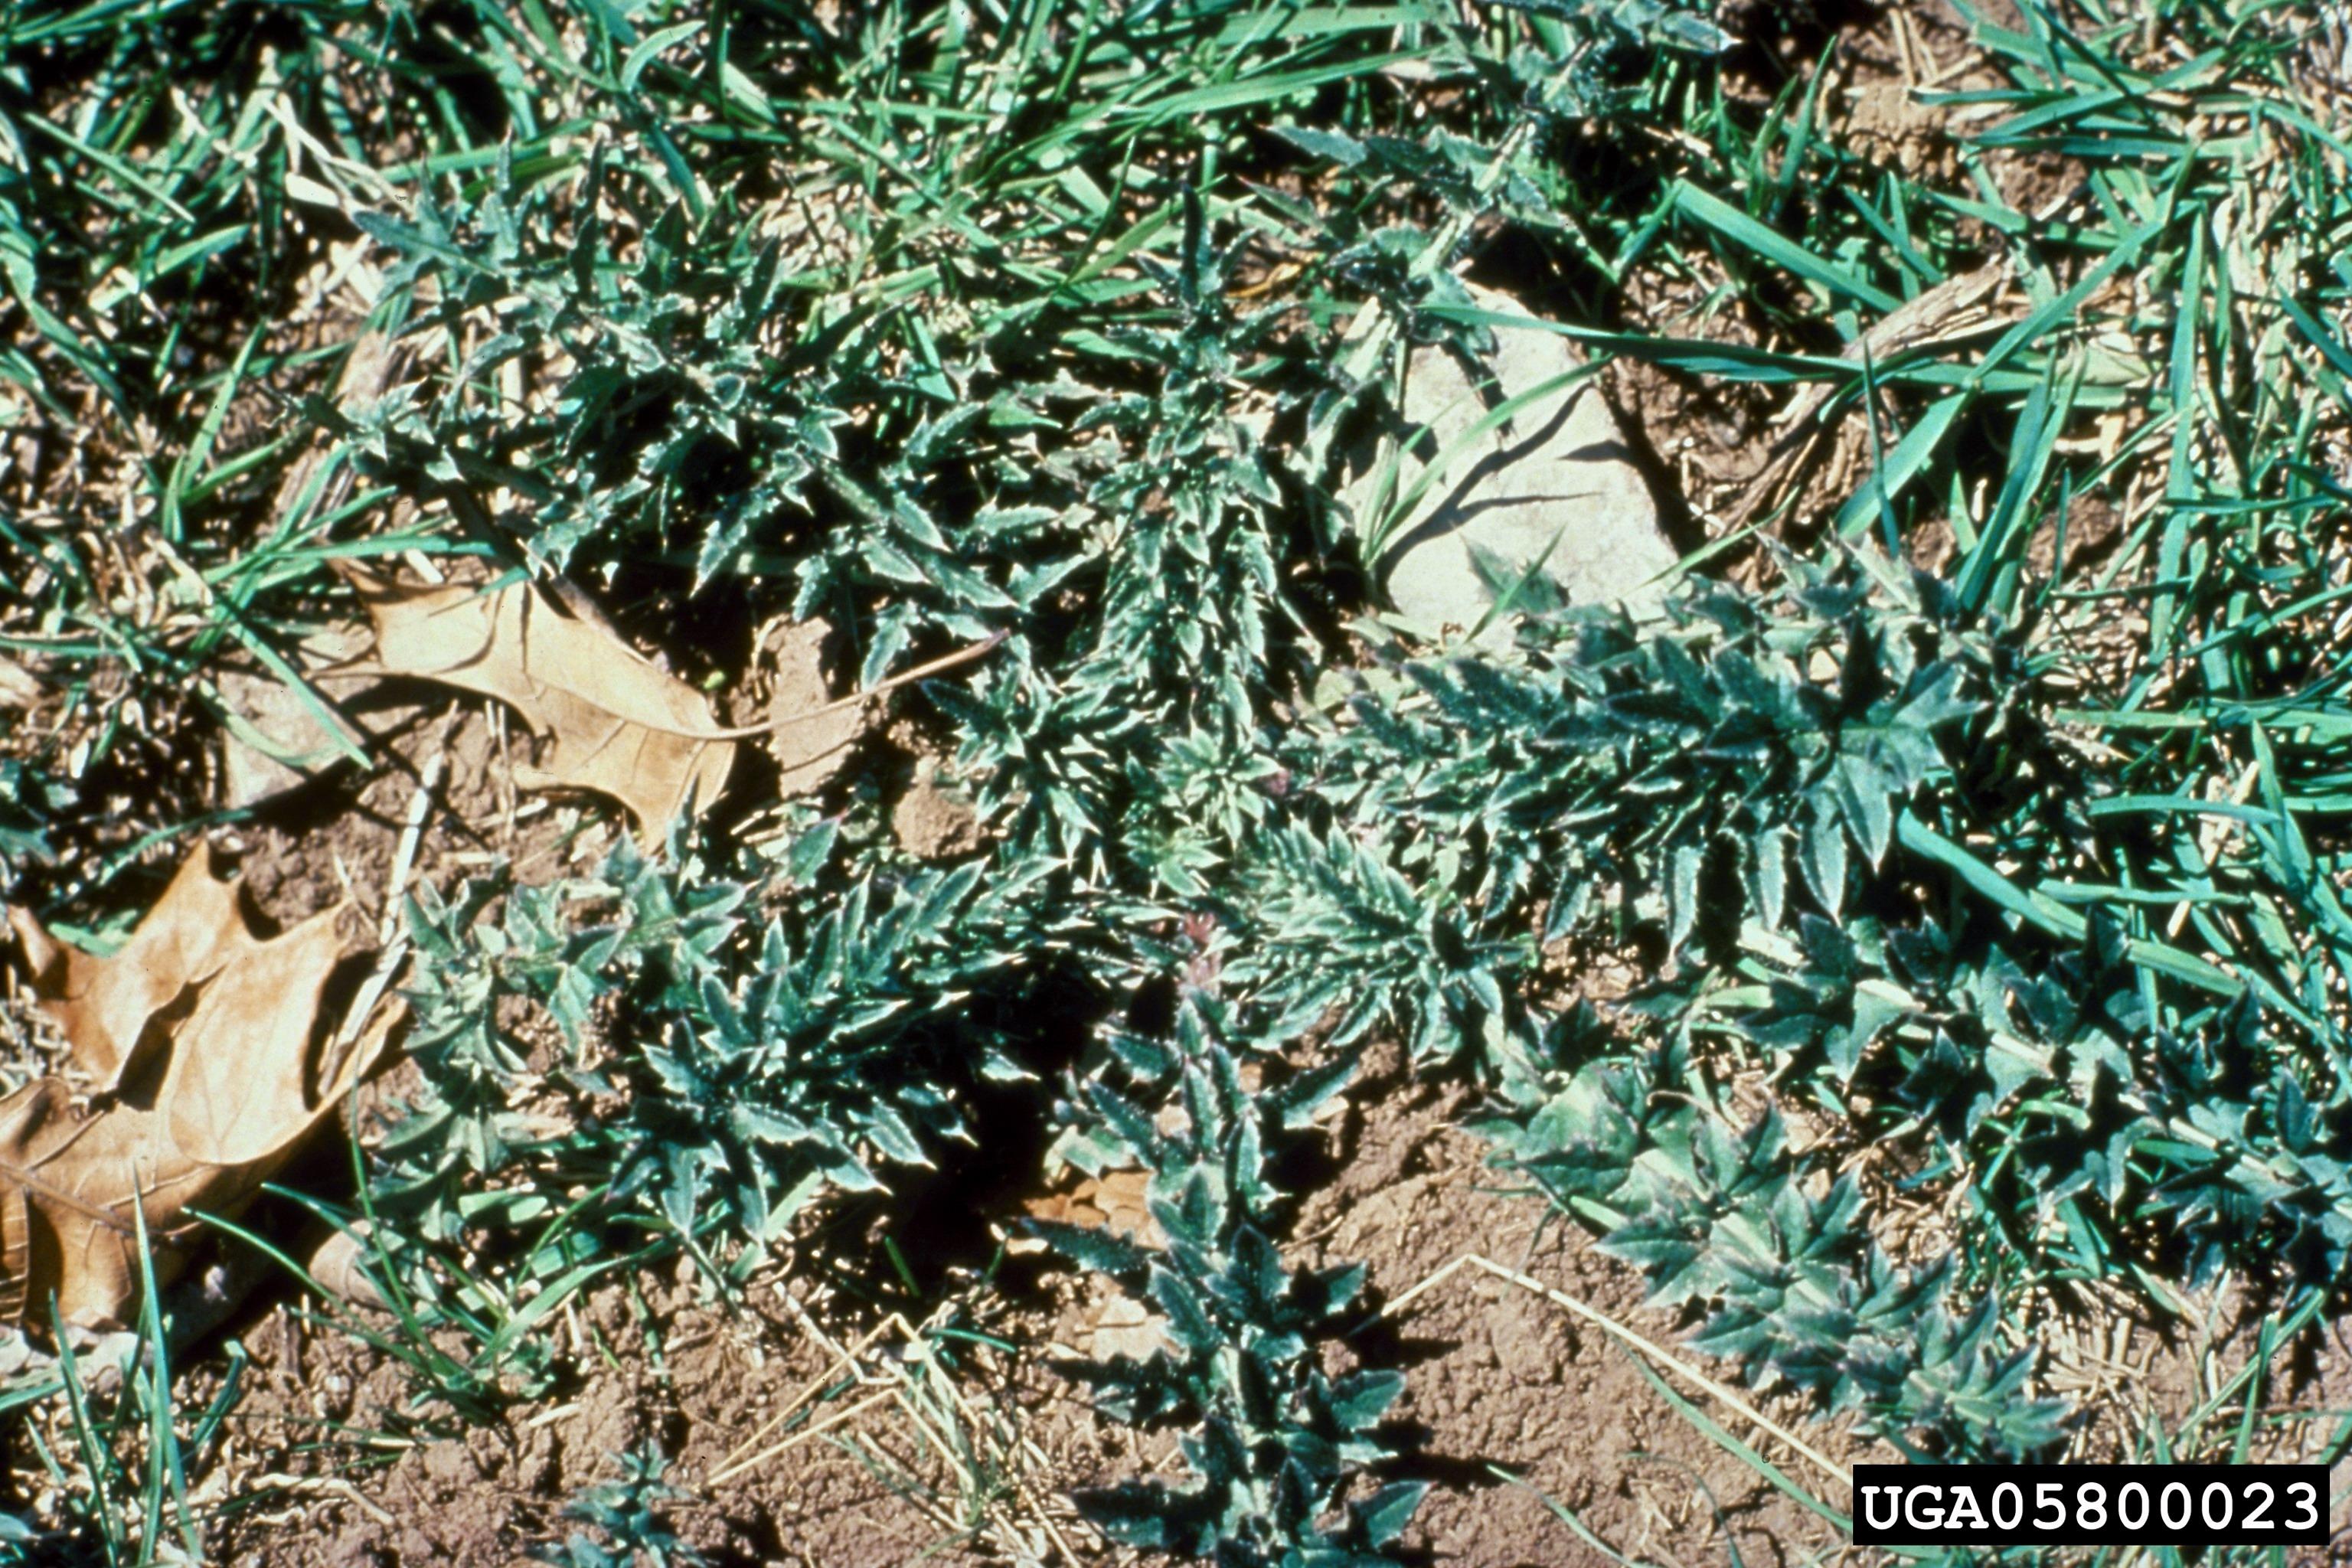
x: 1556, y: 469
x: 17, y: 688
x: 278, y: 742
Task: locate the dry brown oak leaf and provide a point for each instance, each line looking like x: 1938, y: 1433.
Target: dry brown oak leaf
x: 615, y: 723
x: 104, y: 1005
x: 231, y: 1070
x: 618, y: 724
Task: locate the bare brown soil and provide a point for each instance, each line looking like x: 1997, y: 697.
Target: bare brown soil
x: 792, y: 1446
x: 782, y: 1452
x: 1516, y: 1408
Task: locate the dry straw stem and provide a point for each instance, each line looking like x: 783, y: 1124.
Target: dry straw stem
x: 1632, y: 1341
x: 989, y: 1447
x: 315, y: 1487
x: 899, y: 1389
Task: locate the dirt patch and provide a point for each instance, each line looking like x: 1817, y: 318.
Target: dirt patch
x: 932, y: 820
x: 1502, y: 1379
x: 794, y: 1440
x: 340, y: 837
x: 790, y: 1443
x: 805, y: 1427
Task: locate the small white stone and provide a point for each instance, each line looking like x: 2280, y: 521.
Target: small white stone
x: 1556, y: 477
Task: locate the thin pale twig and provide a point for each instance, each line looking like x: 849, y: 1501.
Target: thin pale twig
x: 1656, y: 1352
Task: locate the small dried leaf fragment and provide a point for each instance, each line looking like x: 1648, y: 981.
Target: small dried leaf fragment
x: 245, y: 1074
x: 104, y: 1005
x: 1127, y: 1329
x: 1118, y: 1202
x: 617, y: 724
x: 340, y: 1265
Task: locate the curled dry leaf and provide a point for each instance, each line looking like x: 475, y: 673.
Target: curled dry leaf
x: 1116, y: 1200
x: 616, y: 724
x: 232, y: 1068
x: 105, y: 1005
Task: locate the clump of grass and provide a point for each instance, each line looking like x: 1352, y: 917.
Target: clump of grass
x: 114, y: 1447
